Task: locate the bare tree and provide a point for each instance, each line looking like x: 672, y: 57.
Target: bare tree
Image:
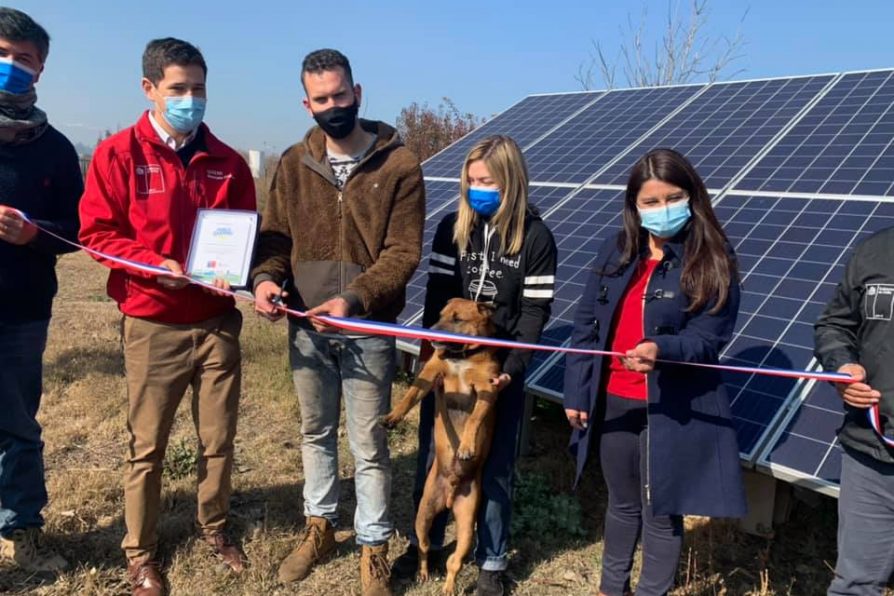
x: 425, y: 130
x: 685, y: 53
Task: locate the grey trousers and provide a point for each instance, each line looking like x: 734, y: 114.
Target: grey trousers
x: 865, y: 526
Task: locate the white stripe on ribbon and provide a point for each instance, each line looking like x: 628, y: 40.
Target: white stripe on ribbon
x: 449, y: 261
x: 409, y: 332
x: 435, y: 269
x: 875, y: 419
x: 537, y: 293
x: 539, y: 280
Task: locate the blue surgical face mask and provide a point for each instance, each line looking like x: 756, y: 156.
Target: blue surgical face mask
x: 485, y: 201
x: 184, y: 112
x: 665, y: 222
x: 15, y: 77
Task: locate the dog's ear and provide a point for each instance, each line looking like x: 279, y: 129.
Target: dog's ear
x: 487, y: 308
x: 454, y: 300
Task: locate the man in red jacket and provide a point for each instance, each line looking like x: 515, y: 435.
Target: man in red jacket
x: 144, y: 188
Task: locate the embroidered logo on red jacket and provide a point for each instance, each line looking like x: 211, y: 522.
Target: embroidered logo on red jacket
x: 149, y: 179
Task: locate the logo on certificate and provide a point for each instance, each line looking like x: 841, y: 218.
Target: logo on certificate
x: 149, y: 179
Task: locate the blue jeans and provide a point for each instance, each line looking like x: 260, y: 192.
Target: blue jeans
x: 327, y: 367
x: 23, y: 491
x: 495, y: 509
x: 865, y: 526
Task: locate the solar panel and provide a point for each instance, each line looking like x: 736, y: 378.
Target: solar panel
x: 806, y: 445
x: 579, y: 225
x: 843, y: 145
x: 440, y: 195
x: 808, y: 449
x: 722, y: 129
x: 525, y: 122
x: 799, y: 167
x: 580, y: 147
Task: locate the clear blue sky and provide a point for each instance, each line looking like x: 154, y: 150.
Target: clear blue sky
x: 483, y: 55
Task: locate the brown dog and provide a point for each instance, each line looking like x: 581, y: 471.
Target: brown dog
x: 464, y: 423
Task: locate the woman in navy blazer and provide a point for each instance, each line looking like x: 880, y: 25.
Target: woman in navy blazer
x: 668, y: 286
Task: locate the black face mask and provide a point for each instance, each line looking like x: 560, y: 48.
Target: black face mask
x: 338, y: 122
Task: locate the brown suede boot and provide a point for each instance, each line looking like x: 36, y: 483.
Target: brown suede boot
x: 375, y: 571
x: 317, y: 542
x: 27, y: 550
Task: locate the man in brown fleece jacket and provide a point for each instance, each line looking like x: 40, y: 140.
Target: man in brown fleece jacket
x: 344, y: 223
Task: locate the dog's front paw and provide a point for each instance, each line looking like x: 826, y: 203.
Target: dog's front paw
x: 465, y: 452
x: 422, y: 575
x: 389, y: 421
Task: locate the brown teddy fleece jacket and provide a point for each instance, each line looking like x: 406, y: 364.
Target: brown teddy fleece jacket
x: 361, y: 243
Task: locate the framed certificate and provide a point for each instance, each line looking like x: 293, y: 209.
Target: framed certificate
x: 222, y: 246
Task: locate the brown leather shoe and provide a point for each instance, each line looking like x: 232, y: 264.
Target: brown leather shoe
x: 375, y: 571
x: 316, y: 544
x: 227, y: 551
x: 145, y: 578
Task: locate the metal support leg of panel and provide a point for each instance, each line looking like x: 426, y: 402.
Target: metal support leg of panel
x: 769, y: 501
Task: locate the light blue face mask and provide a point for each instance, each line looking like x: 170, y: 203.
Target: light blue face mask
x: 665, y: 222
x: 184, y: 112
x: 14, y: 77
x: 485, y: 201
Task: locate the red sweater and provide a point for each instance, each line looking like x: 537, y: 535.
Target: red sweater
x: 140, y: 203
x: 627, y: 332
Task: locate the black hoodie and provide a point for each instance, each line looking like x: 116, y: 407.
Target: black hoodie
x: 521, y: 287
x: 43, y: 179
x: 858, y: 327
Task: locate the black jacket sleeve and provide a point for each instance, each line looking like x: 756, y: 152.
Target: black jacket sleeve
x: 68, y: 186
x: 538, y: 291
x: 835, y: 332
x: 444, y: 279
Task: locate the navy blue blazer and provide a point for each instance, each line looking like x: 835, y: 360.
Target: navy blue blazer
x: 693, y: 454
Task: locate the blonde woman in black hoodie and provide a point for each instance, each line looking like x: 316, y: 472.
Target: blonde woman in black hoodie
x: 496, y: 249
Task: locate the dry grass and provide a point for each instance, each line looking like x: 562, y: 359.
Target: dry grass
x: 83, y: 414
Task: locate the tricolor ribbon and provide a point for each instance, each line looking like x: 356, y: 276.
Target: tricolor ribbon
x: 420, y: 333
x: 875, y: 420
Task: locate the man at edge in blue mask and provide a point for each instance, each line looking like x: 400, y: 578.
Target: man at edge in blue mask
x: 40, y: 176
x: 144, y: 189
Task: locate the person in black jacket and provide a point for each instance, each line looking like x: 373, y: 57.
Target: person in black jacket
x: 495, y: 249
x: 666, y: 287
x: 40, y: 176
x: 855, y: 335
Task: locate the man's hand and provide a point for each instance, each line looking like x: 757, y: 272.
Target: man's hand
x: 577, y: 418
x: 641, y: 358
x: 857, y: 394
x: 268, y: 298
x: 334, y: 307
x: 13, y: 228
x: 173, y: 283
